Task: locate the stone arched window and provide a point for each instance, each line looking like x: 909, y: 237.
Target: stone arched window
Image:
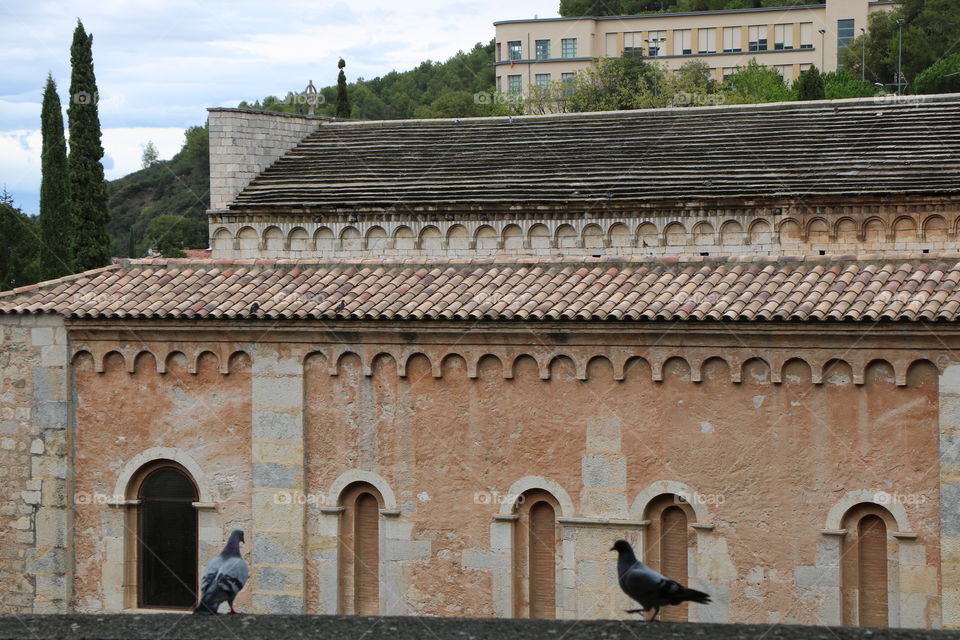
x: 865, y: 565
x: 669, y: 539
x: 360, y: 525
x: 167, y: 536
x: 536, y: 545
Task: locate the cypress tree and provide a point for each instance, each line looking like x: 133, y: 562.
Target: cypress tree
x: 809, y: 85
x: 342, y: 109
x: 88, y: 192
x: 55, y: 216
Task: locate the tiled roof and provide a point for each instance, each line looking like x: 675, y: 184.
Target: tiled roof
x: 859, y: 146
x: 728, y: 289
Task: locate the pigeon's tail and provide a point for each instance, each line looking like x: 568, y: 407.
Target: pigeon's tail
x: 208, y: 606
x: 690, y: 595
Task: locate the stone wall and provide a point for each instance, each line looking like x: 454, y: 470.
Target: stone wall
x: 243, y: 143
x: 35, y: 510
x: 771, y: 229
x: 774, y: 435
x: 253, y: 627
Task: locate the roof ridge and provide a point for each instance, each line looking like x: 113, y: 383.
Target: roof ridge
x: 795, y: 105
x: 57, y: 281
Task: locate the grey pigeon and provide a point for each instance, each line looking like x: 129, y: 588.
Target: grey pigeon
x: 223, y: 578
x: 651, y: 589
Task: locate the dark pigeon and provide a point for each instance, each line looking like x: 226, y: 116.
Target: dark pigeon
x: 223, y: 578
x: 651, y: 589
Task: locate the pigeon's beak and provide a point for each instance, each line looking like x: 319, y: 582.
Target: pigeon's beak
x: 613, y: 548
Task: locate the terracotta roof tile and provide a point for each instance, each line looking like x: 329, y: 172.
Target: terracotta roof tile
x: 824, y: 288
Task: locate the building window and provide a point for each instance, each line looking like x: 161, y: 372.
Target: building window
x: 543, y: 80
x: 758, y: 38
x: 514, y: 50
x: 360, y: 550
x: 543, y: 49
x: 804, y: 67
x: 167, y: 538
x: 568, y: 79
x: 782, y: 36
x: 727, y: 72
x: 682, y: 43
x: 568, y: 47
x: 514, y: 84
x: 864, y: 572
x: 668, y: 541
x: 806, y: 35
x: 632, y: 41
x: 731, y: 39
x: 657, y: 42
x: 499, y: 84
x: 707, y: 41
x: 499, y: 52
x: 844, y: 37
x: 611, y: 45
x: 535, y: 555
x: 786, y: 72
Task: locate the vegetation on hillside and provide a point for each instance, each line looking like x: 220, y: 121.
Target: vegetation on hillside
x: 574, y: 8
x: 143, y: 203
x: 20, y: 249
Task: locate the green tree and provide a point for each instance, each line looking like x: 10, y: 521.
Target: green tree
x: 88, y: 194
x: 572, y: 8
x: 809, y: 85
x: 627, y: 82
x: 843, y: 84
x: 170, y: 235
x: 456, y: 104
x: 931, y: 29
x: 692, y: 85
x: 941, y: 77
x: 343, y: 102
x: 56, y: 224
x: 756, y: 83
x: 150, y: 154
x: 19, y: 251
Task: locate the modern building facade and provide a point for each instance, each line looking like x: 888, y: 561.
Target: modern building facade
x: 437, y: 367
x: 789, y: 39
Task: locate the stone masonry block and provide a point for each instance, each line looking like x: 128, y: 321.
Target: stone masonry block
x: 274, y: 475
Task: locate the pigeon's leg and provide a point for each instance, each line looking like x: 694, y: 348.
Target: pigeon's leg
x: 655, y: 614
x: 636, y: 610
x: 230, y: 603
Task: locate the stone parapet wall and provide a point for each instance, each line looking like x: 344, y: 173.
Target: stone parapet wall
x: 35, y: 502
x: 912, y: 227
x: 243, y: 143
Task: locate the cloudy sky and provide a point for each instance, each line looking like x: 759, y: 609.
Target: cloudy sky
x: 160, y: 63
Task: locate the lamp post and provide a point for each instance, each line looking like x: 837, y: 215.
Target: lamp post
x: 863, y: 56
x: 899, y: 54
x: 823, y: 50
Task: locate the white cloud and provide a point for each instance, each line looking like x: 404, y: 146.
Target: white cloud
x: 160, y: 64
x: 123, y: 153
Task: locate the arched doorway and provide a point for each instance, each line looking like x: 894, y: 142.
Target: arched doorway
x: 360, y: 550
x: 167, y: 538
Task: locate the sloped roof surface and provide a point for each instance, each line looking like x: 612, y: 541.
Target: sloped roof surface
x: 811, y: 289
x: 861, y: 146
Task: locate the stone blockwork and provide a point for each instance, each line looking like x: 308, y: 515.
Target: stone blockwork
x: 789, y: 227
x: 764, y: 440
x: 35, y: 505
x: 243, y: 143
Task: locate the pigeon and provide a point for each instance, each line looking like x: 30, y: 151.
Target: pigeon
x: 651, y: 589
x: 223, y: 578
